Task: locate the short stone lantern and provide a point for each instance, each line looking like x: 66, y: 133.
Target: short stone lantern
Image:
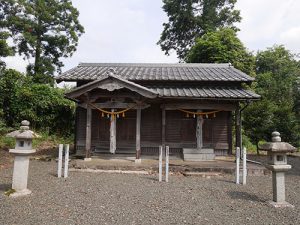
x: 23, y: 150
x: 277, y: 152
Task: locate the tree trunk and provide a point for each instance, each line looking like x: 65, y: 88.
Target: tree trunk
x: 37, y: 61
x: 257, y: 150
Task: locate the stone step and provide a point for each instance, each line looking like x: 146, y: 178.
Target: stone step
x: 204, y: 154
x: 202, y: 174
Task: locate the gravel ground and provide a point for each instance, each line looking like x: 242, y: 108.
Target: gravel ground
x: 88, y: 198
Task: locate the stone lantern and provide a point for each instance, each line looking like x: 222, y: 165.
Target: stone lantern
x: 22, y: 151
x: 277, y: 152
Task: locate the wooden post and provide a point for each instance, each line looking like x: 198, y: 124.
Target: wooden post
x: 160, y: 163
x: 138, y: 136
x: 199, y: 131
x: 163, y: 127
x: 88, y: 138
x: 229, y: 129
x: 60, y: 155
x: 113, y: 140
x: 66, y: 161
x: 237, y: 128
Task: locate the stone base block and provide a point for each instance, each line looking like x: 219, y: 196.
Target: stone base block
x: 281, y: 204
x: 87, y: 159
x: 20, y: 193
x: 138, y: 160
x: 204, y: 154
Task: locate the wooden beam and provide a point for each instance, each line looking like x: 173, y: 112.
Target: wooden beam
x: 113, y: 131
x: 112, y: 83
x: 216, y: 106
x: 229, y: 130
x: 96, y: 96
x: 238, y: 131
x: 116, y: 105
x: 88, y: 138
x: 163, y: 126
x: 138, y: 135
x: 199, y: 131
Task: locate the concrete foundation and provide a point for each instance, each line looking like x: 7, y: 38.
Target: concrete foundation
x: 203, y: 154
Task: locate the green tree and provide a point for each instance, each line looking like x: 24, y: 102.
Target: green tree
x: 277, y: 72
x: 222, y: 46
x: 5, y: 49
x: 44, y: 106
x: 10, y: 83
x: 46, y: 30
x: 190, y: 19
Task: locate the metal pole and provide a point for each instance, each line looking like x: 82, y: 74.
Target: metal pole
x: 66, y: 161
x: 167, y: 163
x: 160, y: 164
x: 237, y: 172
x: 60, y: 153
x: 244, y: 165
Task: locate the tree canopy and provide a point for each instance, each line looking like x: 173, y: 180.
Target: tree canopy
x: 276, y: 81
x: 44, y: 106
x: 45, y: 30
x: 222, y: 46
x: 190, y: 19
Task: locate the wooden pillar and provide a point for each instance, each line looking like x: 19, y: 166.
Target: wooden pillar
x: 113, y: 138
x: 229, y: 134
x: 199, y: 131
x: 238, y: 129
x: 138, y: 135
x: 88, y: 138
x: 163, y: 127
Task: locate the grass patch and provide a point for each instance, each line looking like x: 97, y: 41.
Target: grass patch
x: 7, y: 142
x: 9, y: 192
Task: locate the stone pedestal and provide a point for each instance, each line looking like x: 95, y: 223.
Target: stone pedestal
x: 20, y: 174
x: 22, y: 152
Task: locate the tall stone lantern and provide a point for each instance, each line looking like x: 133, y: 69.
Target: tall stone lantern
x: 277, y: 152
x: 22, y: 151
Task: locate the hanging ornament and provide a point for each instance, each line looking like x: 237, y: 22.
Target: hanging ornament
x: 123, y: 114
x: 214, y: 115
x: 206, y: 116
x: 107, y: 115
x: 117, y: 115
x: 194, y: 115
x: 102, y: 114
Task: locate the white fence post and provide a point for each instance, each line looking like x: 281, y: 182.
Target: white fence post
x: 167, y: 163
x: 237, y: 172
x: 60, y: 154
x: 160, y: 164
x: 244, y: 165
x: 66, y: 160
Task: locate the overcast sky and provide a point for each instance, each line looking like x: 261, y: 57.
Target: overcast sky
x: 128, y: 30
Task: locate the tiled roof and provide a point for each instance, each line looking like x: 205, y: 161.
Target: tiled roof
x: 157, y: 72
x: 205, y: 92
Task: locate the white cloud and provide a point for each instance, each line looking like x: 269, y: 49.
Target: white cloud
x: 16, y: 62
x: 291, y: 39
x: 264, y: 21
x: 128, y: 30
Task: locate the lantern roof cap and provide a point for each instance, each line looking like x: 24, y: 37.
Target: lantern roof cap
x: 276, y: 145
x: 23, y: 132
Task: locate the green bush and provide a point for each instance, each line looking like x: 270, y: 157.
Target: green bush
x: 44, y: 106
x: 7, y: 142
